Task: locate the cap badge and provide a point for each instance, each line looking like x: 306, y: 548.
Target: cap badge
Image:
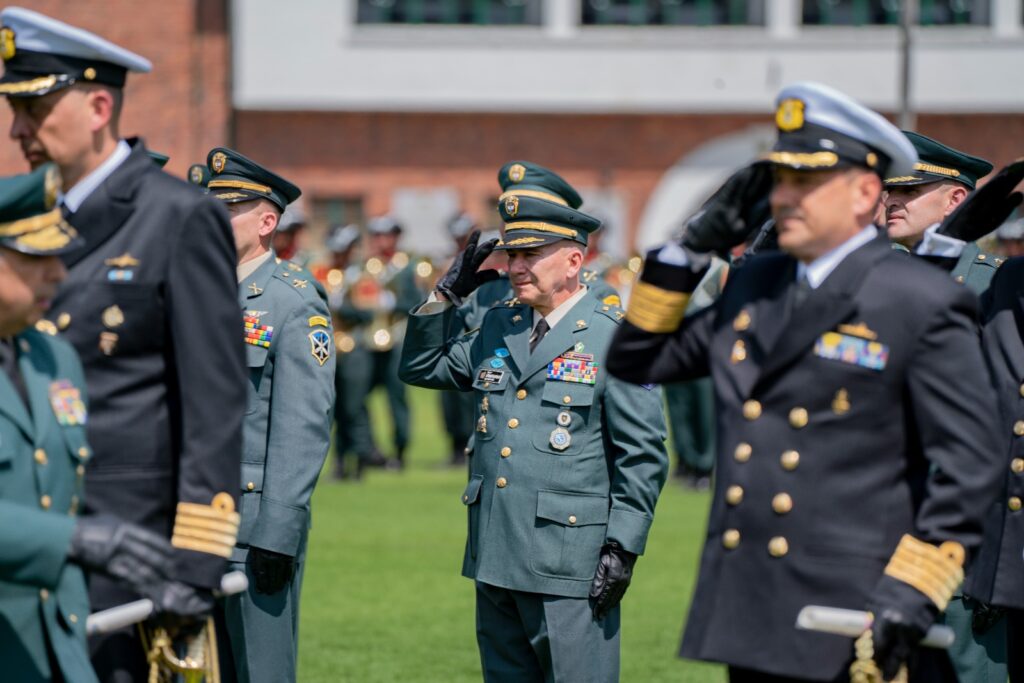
x: 512, y: 205
x: 516, y: 173
x: 218, y: 161
x: 790, y: 115
x: 51, y: 183
x: 7, y: 48
x: 195, y: 176
x: 89, y: 73
x: 871, y: 159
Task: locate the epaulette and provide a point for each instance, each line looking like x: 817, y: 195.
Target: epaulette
x: 297, y: 277
x: 611, y: 310
x: 508, y: 303
x: 989, y: 260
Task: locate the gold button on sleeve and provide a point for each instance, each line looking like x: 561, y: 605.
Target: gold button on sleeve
x: 1017, y: 465
x: 1018, y: 427
x: 572, y: 519
x: 789, y: 460
x: 40, y: 456
x: 506, y: 451
x: 521, y: 394
x: 778, y: 546
x: 1014, y: 503
x: 751, y: 410
x: 798, y: 418
x: 734, y: 495
x: 513, y: 423
x: 45, y: 502
x: 731, y: 538
x: 250, y: 486
x: 743, y: 452
x: 782, y: 503
x: 502, y: 482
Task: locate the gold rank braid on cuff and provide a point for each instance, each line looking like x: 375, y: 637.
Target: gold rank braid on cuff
x: 656, y: 310
x: 935, y: 571
x: 209, y: 529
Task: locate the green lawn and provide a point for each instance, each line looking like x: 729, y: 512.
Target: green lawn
x: 383, y: 598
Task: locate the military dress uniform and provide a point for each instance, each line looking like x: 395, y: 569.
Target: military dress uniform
x: 565, y: 460
x: 289, y: 346
x: 150, y: 305
x: 848, y: 445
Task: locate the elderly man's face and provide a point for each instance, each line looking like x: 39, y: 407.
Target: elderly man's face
x: 540, y: 274
x: 27, y: 286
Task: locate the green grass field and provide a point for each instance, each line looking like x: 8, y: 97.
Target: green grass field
x: 383, y: 599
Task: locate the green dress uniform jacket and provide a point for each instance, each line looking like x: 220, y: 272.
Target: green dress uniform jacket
x: 289, y: 353
x: 975, y: 269
x: 559, y: 468
x: 43, y: 598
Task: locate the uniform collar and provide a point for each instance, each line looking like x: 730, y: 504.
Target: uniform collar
x: 246, y: 269
x: 561, y: 311
x: 820, y: 268
x: 74, y: 197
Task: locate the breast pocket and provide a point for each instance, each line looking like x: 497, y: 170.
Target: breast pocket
x: 126, y: 319
x: 565, y: 412
x: 255, y: 361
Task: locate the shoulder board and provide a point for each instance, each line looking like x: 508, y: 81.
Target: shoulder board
x: 296, y: 277
x: 989, y: 259
x: 508, y: 303
x: 611, y: 310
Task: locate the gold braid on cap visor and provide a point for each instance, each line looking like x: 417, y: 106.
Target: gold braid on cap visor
x: 539, y: 226
x: 238, y: 184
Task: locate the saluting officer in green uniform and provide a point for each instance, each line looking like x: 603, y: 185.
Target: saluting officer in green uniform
x: 567, y: 463
x: 916, y: 205
x: 44, y: 545
x: 288, y: 341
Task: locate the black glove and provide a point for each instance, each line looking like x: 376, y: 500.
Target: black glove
x: 270, y: 571
x: 983, y: 615
x: 126, y: 552
x: 736, y: 209
x: 903, y: 616
x: 614, y: 572
x: 462, y: 278
x: 986, y: 208
x: 178, y: 603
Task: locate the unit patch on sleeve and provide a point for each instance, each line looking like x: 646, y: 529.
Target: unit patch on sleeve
x: 320, y: 345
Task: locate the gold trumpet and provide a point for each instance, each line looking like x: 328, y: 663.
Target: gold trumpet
x: 190, y: 654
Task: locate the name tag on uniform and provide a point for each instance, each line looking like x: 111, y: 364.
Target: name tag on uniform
x: 67, y: 404
x: 846, y: 348
x: 494, y: 376
x: 573, y: 367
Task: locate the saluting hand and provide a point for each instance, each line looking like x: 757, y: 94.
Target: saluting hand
x: 732, y: 214
x: 986, y: 208
x: 463, y: 277
x: 614, y: 572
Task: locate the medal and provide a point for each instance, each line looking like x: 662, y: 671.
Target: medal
x: 560, y: 439
x: 564, y: 419
x: 481, y: 424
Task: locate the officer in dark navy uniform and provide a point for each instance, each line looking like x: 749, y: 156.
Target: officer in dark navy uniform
x: 854, y: 463
x: 150, y: 304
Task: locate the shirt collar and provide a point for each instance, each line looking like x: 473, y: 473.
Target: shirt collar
x: 934, y: 244
x: 561, y: 311
x: 252, y: 265
x: 820, y: 268
x: 74, y: 197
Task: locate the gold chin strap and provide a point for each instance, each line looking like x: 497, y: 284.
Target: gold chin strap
x: 864, y: 669
x: 192, y: 659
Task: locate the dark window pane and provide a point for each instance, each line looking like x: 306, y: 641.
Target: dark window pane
x: 674, y: 12
x: 481, y: 12
x: 865, y: 12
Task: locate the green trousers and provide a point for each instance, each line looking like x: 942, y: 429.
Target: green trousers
x: 527, y: 637
x: 352, y: 433
x: 691, y: 418
x: 367, y: 370
x: 977, y: 658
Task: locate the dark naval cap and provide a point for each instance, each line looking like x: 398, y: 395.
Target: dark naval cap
x: 937, y: 162
x: 236, y: 178
x: 527, y: 179
x: 821, y: 128
x: 532, y: 222
x: 42, y: 55
x: 30, y: 221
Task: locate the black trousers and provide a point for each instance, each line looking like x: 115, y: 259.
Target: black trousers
x: 929, y: 666
x: 1015, y: 644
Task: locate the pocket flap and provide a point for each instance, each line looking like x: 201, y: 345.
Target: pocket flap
x: 252, y: 476
x: 255, y: 356
x: 568, y: 393
x: 472, y: 492
x: 572, y: 509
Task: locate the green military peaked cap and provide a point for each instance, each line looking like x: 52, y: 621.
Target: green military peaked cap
x: 531, y: 222
x: 199, y: 174
x: 30, y: 221
x: 236, y: 178
x: 938, y: 162
x: 527, y: 179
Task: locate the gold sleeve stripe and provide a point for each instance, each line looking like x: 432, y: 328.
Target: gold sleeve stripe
x: 656, y: 310
x: 813, y: 160
x: 938, y: 170
x: 209, y: 529
x: 199, y: 546
x: 935, y: 571
x: 34, y: 85
x: 238, y: 184
x: 547, y: 196
x: 540, y: 226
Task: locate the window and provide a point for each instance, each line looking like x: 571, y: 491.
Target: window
x: 863, y: 12
x: 674, y: 12
x: 480, y: 12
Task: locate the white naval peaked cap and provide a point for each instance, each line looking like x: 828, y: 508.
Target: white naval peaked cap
x: 820, y: 127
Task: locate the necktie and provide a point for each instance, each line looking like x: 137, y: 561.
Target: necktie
x: 538, y: 333
x: 9, y: 364
x: 803, y: 289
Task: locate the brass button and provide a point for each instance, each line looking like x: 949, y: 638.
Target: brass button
x: 1018, y: 427
x: 40, y: 456
x: 778, y: 546
x: 739, y: 352
x: 250, y: 486
x: 567, y: 400
x: 572, y: 519
x: 1014, y: 503
x: 465, y: 499
x: 960, y: 279
x: 731, y: 538
x: 63, y: 320
x: 741, y: 322
x: 1017, y: 465
x: 734, y: 495
x: 486, y: 384
x: 467, y: 450
x: 73, y: 618
x: 513, y: 423
x: 502, y: 482
x: 798, y: 418
x: 506, y: 451
x: 45, y: 502
x: 1022, y: 389
x: 44, y: 594
x: 521, y: 394
x: 981, y: 257
x: 751, y: 410
x: 789, y: 460
x: 74, y: 505
x: 83, y: 452
x: 743, y: 452
x: 80, y: 470
x: 782, y: 503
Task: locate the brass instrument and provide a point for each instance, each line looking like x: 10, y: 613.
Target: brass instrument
x: 184, y: 651
x: 375, y: 282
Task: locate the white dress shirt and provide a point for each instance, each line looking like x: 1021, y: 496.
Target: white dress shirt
x: 74, y: 197
x: 820, y: 268
x: 560, y: 311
